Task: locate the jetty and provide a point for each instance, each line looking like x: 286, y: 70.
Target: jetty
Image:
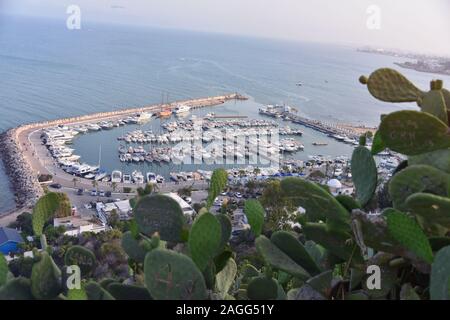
x: 20, y: 150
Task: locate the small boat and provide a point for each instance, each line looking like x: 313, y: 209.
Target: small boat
x: 165, y: 113
x: 299, y: 84
x: 126, y: 178
x: 320, y: 144
x: 151, y: 177
x: 182, y: 109
x: 100, y: 175
x: 116, y: 176
x: 89, y: 176
x: 138, y: 177
x: 144, y: 117
x: 160, y: 179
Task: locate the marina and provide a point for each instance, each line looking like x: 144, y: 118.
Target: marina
x: 138, y: 146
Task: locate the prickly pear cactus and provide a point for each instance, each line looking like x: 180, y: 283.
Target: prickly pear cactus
x: 162, y: 214
x: 318, y: 203
x: 414, y: 132
x: 128, y: 292
x: 173, y: 276
x: 16, y: 289
x: 77, y: 294
x: 262, y: 288
x: 45, y: 278
x: 218, y: 183
x: 205, y: 239
x: 440, y: 159
x: 407, y: 231
x: 82, y: 257
x: 278, y: 259
x: 226, y: 228
x: 255, y: 215
x: 431, y: 211
x: 414, y: 179
x: 391, y: 86
x: 364, y: 174
x: 287, y: 243
x: 440, y: 276
x: 134, y: 248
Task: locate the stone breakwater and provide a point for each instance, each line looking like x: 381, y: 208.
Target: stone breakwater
x: 24, y: 181
x: 14, y: 143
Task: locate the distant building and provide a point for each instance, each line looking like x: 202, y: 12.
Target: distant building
x: 9, y: 240
x: 75, y: 226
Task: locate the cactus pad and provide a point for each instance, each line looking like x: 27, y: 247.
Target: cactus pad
x: 414, y: 179
x: 278, y: 259
x: 255, y: 214
x: 162, y: 214
x: 318, y: 203
x: 348, y: 202
x: 293, y: 248
x: 16, y: 289
x: 431, y: 210
x: 133, y: 248
x: 128, y: 292
x: 433, y: 102
x: 218, y: 182
x: 440, y: 276
x: 377, y: 143
x: 262, y: 288
x: 95, y: 292
x: 364, y: 174
x: 45, y: 278
x: 391, y: 86
x: 3, y: 270
x: 173, y: 276
x: 43, y: 211
x: 226, y: 227
x: 225, y: 278
x: 82, y: 257
x: 414, y: 132
x: 439, y: 159
x: 204, y: 239
x: 408, y: 232
x: 332, y: 240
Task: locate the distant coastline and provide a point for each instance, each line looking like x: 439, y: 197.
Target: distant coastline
x: 423, y: 63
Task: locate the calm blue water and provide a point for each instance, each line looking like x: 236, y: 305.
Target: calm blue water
x: 47, y: 72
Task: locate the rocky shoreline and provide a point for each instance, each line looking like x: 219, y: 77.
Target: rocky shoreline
x: 24, y: 182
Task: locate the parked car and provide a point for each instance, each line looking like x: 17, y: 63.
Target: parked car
x: 80, y: 192
x: 55, y: 186
x: 108, y: 194
x: 188, y: 200
x: 101, y: 193
x: 94, y: 193
x: 238, y: 195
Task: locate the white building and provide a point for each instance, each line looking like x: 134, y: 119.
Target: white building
x: 76, y: 226
x: 186, y: 207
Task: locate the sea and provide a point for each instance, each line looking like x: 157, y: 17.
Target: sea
x: 49, y: 72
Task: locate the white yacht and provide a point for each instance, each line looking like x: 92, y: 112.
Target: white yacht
x: 144, y: 117
x: 116, y: 176
x: 182, y: 109
x: 126, y: 178
x: 138, y: 177
x: 151, y: 177
x: 100, y: 175
x: 160, y: 179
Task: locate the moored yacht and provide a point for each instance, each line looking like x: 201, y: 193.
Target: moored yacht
x: 116, y: 176
x: 181, y: 109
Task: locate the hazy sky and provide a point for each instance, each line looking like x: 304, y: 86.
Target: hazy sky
x: 418, y: 25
